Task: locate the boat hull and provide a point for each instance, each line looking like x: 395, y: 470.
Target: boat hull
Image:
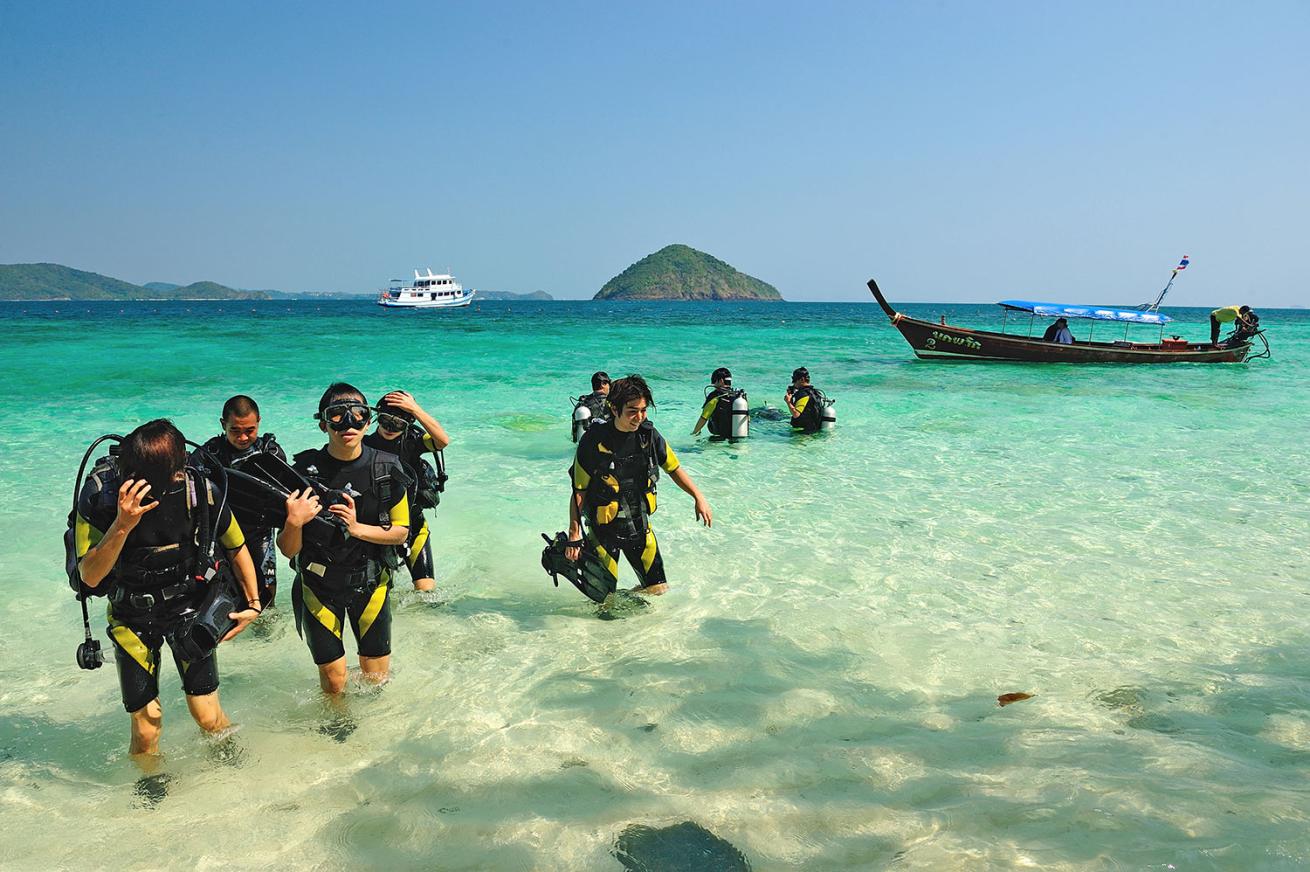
x: 426, y: 304
x: 944, y: 342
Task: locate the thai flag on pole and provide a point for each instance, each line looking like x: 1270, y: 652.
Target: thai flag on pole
x: 1182, y: 264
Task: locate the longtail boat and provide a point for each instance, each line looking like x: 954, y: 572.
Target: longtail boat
x: 941, y: 341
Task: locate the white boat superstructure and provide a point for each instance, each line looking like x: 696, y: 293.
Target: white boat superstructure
x: 431, y: 291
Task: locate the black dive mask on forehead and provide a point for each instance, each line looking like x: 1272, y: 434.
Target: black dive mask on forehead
x: 346, y: 416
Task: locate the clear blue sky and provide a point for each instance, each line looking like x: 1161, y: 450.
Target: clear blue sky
x: 956, y: 151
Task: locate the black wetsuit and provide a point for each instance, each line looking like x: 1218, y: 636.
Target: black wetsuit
x: 353, y: 580
x: 151, y: 584
x: 808, y: 401
x: 260, y: 540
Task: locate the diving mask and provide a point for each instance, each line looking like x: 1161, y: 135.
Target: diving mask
x: 346, y: 416
x: 392, y: 423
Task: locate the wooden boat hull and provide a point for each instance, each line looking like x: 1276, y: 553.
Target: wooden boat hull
x: 932, y: 341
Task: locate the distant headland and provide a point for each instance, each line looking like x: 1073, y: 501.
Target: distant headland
x: 52, y: 281
x: 680, y: 272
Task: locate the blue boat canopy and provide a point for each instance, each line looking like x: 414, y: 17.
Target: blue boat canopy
x: 1095, y: 313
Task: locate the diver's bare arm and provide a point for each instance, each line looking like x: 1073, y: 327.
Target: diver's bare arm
x: 244, y: 567
x: 683, y: 480
x: 440, y: 439
x: 302, y: 506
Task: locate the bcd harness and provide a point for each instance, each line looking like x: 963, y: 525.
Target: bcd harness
x: 385, y: 485
x: 621, y: 494
x: 811, y: 416
x: 721, y: 418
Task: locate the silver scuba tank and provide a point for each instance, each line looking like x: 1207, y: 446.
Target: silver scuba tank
x: 827, y: 414
x: 581, y: 420
x: 741, y: 417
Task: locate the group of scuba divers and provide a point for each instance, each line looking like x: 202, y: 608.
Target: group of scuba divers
x: 182, y: 538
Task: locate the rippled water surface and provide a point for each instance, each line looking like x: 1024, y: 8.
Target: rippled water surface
x: 818, y: 689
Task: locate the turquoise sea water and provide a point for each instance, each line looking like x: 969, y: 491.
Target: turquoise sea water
x: 818, y: 688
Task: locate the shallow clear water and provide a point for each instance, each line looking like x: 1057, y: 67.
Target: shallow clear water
x: 819, y: 687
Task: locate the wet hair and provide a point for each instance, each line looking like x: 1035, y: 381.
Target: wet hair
x: 625, y: 390
x: 395, y: 411
x: 339, y: 391
x: 239, y: 407
x: 599, y: 378
x: 721, y: 372
x: 799, y: 373
x: 1244, y: 309
x: 155, y: 451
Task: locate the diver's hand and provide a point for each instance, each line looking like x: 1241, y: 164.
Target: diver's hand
x: 346, y: 512
x: 402, y: 400
x: 302, y: 506
x: 703, y: 512
x: 243, y: 619
x: 572, y: 553
x: 131, y: 493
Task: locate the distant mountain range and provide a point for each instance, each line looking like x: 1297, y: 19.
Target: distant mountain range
x: 52, y: 281
x: 680, y: 272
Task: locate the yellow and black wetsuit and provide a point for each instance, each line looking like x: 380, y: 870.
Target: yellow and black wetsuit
x: 410, y: 449
x: 153, y: 582
x: 616, y: 474
x: 353, y: 580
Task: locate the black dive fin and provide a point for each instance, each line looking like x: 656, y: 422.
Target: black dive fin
x: 554, y: 561
x: 258, y: 505
x: 259, y: 486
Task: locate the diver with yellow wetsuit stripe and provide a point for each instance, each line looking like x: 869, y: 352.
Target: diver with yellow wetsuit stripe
x: 143, y: 535
x: 614, y: 475
x: 351, y: 580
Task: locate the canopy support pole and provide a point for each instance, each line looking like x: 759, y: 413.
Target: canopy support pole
x: 1090, y: 330
x: 1005, y: 320
x: 1030, y: 324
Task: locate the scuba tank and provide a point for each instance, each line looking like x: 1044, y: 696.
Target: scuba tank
x: 581, y: 419
x: 827, y: 414
x: 741, y: 417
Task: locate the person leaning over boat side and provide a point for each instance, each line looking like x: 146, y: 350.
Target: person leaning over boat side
x: 365, y: 488
x: 804, y: 401
x: 137, y: 529
x: 1245, y: 319
x: 614, y: 473
x: 1058, y: 332
x: 397, y: 414
x: 241, y: 438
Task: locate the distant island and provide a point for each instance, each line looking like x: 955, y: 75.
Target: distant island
x: 51, y: 281
x: 680, y: 272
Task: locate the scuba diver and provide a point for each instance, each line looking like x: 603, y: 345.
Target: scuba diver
x: 1246, y: 323
x: 143, y: 534
x: 365, y: 488
x: 240, y: 439
x: 397, y: 434
x: 615, y: 471
x: 811, y: 410
x: 591, y: 408
x: 727, y: 411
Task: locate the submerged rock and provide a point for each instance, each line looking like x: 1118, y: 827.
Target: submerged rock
x: 1007, y: 698
x: 684, y: 847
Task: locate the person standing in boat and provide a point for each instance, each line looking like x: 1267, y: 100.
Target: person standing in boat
x: 1244, y: 320
x: 1058, y: 332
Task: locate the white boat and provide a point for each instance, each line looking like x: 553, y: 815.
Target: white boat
x: 432, y: 291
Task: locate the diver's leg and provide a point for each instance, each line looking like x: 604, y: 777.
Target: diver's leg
x: 136, y: 657
x: 265, y: 557
x: 370, y: 619
x: 200, y: 682
x: 648, y: 564
x: 1214, y: 330
x: 320, y: 625
x: 420, y: 557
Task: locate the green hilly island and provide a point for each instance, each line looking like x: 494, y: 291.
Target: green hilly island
x: 51, y: 281
x: 680, y: 272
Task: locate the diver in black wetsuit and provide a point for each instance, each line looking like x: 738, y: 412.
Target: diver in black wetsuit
x: 396, y: 433
x: 240, y: 439
x: 614, y: 473
x: 137, y: 533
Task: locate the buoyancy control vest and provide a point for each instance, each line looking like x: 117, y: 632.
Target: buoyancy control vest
x: 720, y: 421
x: 811, y: 417
x: 621, y: 494
x: 426, y: 484
x: 219, y: 447
x: 375, y: 480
